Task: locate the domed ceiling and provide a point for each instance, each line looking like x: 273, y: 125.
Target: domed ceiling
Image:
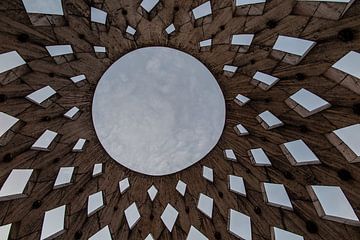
x: 272, y: 155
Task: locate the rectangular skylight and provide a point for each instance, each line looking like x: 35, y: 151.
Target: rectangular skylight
x: 169, y: 216
x: 208, y: 174
x: 202, y: 10
x: 78, y: 78
x: 258, y: 157
x: 242, y: 39
x: 98, y: 15
x: 15, y: 184
x: 48, y: 7
x: 239, y: 225
x: 5, y: 231
x: 59, y: 50
x: 44, y: 141
x: 99, y: 49
x: 349, y: 64
x: 170, y: 29
x: 236, y: 185
x: 350, y: 135
x: 205, y: 205
x: 124, y: 185
x: 309, y: 101
x: 280, y: 234
x: 79, y: 145
x: 181, y: 187
x: 132, y: 215
x: 64, y: 177
x: 195, y: 234
x: 241, y: 100
x: 6, y: 122
x: 241, y: 130
x: 95, y: 203
x: 39, y: 96
x: 10, y: 60
x: 298, y: 153
x: 103, y: 234
x: 72, y: 113
x: 333, y: 204
x: 206, y: 43
x: 97, y: 170
x: 229, y: 155
x: 270, y: 120
x: 247, y: 2
x: 292, y: 45
x: 130, y: 30
x: 265, y: 79
x: 230, y: 68
x: 148, y: 5
x: 54, y: 223
x: 276, y: 195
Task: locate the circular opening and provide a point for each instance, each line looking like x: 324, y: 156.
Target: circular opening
x: 158, y: 110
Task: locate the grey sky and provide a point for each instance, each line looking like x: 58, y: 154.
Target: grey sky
x: 158, y: 110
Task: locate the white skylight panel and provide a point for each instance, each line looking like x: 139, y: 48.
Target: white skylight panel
x: 241, y: 130
x: 124, y: 185
x: 64, y: 177
x: 132, y: 215
x: 99, y: 49
x: 39, y: 96
x: 270, y: 120
x: 230, y: 68
x: 130, y: 30
x: 6, y: 122
x: 59, y: 50
x: 170, y: 29
x: 78, y: 78
x: 79, y: 145
x: 44, y: 141
x: 350, y: 135
x: 103, y: 234
x: 97, y: 170
x: 98, y: 15
x: 208, y: 174
x: 15, y: 184
x: 247, y: 2
x: 239, y: 225
x: 331, y: 203
x: 54, y: 223
x: 10, y: 60
x: 148, y: 5
x: 149, y: 237
x: 205, y: 205
x: 266, y: 79
x: 276, y: 195
x: 48, y: 7
x: 349, y: 64
x: 169, y: 216
x: 202, y: 10
x: 292, y: 45
x: 5, y: 231
x: 298, y: 153
x: 181, y: 187
x: 309, y: 101
x: 195, y: 234
x: 229, y: 155
x: 71, y: 113
x: 206, y: 43
x: 236, y: 185
x: 280, y: 234
x: 241, y: 100
x: 242, y: 39
x: 95, y: 203
x: 152, y: 192
x: 258, y: 157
